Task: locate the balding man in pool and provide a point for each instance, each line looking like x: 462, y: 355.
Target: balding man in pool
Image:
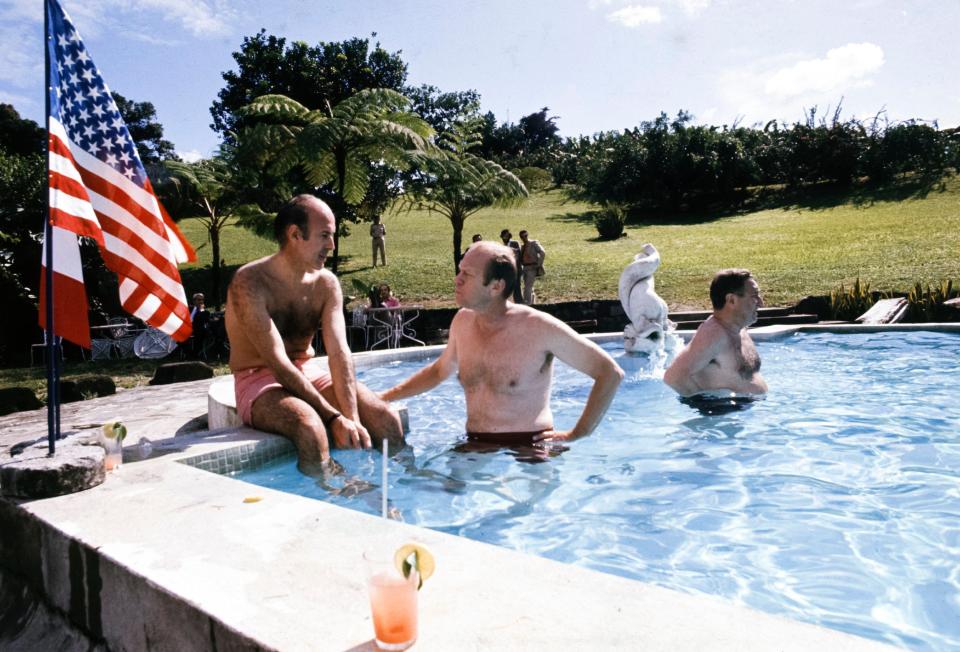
x: 721, y: 355
x: 274, y: 307
x: 503, y: 356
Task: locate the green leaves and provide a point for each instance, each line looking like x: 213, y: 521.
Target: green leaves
x: 335, y: 146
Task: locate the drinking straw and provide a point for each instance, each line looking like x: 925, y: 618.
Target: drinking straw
x: 383, y: 505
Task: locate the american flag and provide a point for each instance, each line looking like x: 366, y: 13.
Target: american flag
x: 99, y: 189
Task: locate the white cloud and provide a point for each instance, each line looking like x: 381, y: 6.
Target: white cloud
x: 199, y: 17
x: 190, y: 156
x: 636, y: 15
x: 19, y: 63
x: 843, y: 67
x: 783, y: 87
x: 692, y: 7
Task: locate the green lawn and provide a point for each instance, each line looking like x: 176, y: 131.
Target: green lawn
x: 793, y: 251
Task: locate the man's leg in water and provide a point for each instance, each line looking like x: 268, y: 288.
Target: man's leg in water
x: 278, y: 411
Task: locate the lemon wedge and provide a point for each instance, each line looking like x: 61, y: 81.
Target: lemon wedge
x: 114, y: 430
x: 422, y: 561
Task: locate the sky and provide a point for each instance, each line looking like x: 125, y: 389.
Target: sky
x: 597, y: 64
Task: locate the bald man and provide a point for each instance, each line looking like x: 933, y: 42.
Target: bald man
x: 503, y: 356
x: 275, y: 306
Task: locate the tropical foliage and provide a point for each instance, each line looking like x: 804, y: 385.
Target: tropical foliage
x: 213, y: 192
x: 456, y: 184
x: 337, y: 148
x: 673, y: 165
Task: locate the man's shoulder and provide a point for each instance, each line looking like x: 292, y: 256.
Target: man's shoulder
x: 710, y: 332
x: 253, y: 270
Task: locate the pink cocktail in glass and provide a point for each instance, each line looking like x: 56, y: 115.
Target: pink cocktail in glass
x: 393, y: 603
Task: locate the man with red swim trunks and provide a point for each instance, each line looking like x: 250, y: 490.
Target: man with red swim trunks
x: 274, y: 307
x: 503, y: 355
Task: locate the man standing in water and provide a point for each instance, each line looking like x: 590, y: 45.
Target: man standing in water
x: 721, y: 354
x: 274, y: 307
x: 503, y: 356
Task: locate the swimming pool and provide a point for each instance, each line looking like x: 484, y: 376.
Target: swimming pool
x: 834, y: 501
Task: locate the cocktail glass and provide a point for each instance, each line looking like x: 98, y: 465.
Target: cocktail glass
x: 114, y: 449
x: 393, y: 602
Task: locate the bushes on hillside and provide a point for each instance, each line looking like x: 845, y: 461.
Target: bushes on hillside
x: 674, y: 165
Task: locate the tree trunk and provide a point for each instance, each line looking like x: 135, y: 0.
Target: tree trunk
x: 341, y: 182
x: 215, y: 266
x: 457, y: 222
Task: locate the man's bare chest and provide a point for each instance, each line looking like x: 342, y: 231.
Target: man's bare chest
x: 507, y: 369
x: 296, y: 315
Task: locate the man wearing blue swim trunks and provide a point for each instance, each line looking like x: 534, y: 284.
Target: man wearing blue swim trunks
x: 721, y: 355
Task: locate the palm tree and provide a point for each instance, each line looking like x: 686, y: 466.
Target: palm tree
x: 335, y: 147
x: 457, y: 184
x: 212, y: 187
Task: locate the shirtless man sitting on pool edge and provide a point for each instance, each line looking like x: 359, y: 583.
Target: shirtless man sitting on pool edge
x: 503, y: 355
x: 721, y: 355
x: 274, y: 307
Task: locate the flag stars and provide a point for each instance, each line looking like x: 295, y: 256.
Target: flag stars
x: 111, y: 160
x: 62, y: 41
x: 88, y: 75
x: 82, y: 55
x: 98, y: 110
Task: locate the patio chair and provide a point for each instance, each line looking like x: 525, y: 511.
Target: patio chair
x: 359, y: 321
x: 123, y: 338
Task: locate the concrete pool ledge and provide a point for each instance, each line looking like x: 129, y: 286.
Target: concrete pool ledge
x: 165, y: 555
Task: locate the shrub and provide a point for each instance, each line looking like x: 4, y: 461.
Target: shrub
x: 850, y: 304
x: 609, y: 222
x: 534, y: 178
x: 927, y: 305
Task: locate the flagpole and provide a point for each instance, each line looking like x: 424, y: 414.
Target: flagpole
x: 53, y: 368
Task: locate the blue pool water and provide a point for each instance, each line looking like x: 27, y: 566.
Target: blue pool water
x: 834, y: 501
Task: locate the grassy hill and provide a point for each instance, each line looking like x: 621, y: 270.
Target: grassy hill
x: 889, y: 241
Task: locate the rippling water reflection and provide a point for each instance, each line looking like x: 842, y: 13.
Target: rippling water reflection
x: 835, y: 501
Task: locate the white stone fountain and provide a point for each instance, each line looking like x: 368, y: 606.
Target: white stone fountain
x: 649, y: 330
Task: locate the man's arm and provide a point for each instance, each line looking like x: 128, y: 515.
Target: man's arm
x: 431, y: 375
x: 693, y: 359
x: 247, y: 300
x: 347, y: 430
x: 588, y: 358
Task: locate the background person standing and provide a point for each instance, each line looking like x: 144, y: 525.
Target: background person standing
x: 378, y: 233
x: 508, y: 241
x: 531, y: 265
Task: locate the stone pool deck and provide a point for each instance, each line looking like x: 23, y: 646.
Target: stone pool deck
x: 164, y: 555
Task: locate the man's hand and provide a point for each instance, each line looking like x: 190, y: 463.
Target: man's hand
x: 554, y: 435
x: 349, y: 434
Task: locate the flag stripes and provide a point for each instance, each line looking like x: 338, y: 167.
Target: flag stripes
x: 99, y: 188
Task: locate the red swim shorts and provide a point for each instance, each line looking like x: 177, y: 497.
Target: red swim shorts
x: 250, y: 384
